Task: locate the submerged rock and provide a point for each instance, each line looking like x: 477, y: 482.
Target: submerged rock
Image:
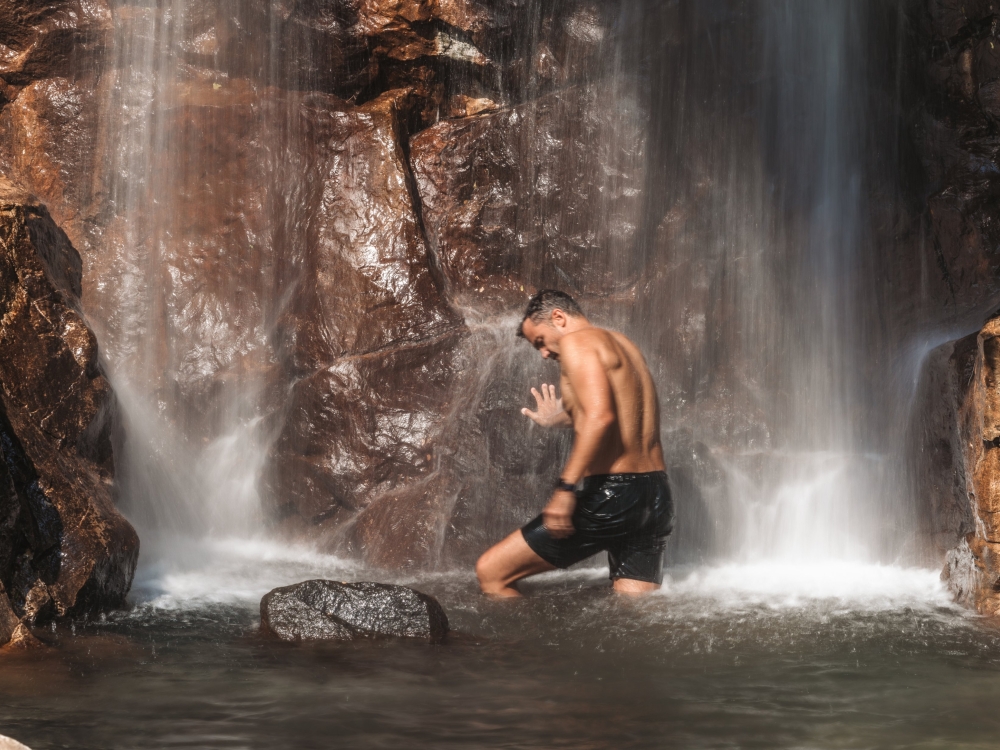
x: 64, y: 548
x: 328, y: 610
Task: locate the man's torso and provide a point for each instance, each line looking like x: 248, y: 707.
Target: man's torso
x: 632, y: 445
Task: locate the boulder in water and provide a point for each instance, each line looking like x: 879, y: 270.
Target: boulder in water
x: 328, y: 610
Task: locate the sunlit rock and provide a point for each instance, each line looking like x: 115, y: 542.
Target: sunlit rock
x: 549, y: 193
x: 49, y: 38
x: 327, y: 610
x: 48, y: 145
x: 368, y: 338
x: 959, y: 473
x: 64, y: 548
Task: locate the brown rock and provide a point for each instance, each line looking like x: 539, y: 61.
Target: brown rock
x: 965, y: 515
x: 546, y: 194
x: 48, y: 137
x: 21, y: 639
x: 8, y: 618
x: 50, y: 38
x: 70, y: 551
x: 959, y: 145
x: 365, y: 335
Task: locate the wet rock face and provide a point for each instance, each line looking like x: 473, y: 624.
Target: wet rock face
x: 547, y: 194
x: 959, y: 463
x: 315, y: 251
x: 64, y: 549
x: 960, y: 148
x: 327, y: 610
x: 49, y: 38
x: 368, y: 339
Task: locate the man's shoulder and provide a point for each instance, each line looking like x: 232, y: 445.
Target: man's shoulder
x: 588, y: 342
x: 586, y: 338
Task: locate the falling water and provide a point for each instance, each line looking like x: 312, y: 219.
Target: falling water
x: 763, y: 136
x: 188, y: 312
x: 776, y: 127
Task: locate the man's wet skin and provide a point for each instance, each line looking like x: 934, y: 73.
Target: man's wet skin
x: 610, y: 401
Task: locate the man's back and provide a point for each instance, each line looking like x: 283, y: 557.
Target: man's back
x: 632, y: 445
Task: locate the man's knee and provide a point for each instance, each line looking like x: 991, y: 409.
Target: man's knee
x: 486, y: 570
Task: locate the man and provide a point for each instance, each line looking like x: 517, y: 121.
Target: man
x: 612, y: 494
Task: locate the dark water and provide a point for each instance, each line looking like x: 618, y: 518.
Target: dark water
x: 704, y: 665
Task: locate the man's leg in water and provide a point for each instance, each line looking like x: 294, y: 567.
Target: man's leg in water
x: 633, y: 587
x: 506, y: 563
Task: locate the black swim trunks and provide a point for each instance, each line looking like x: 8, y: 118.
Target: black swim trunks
x: 628, y: 515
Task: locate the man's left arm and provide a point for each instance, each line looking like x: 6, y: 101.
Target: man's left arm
x: 593, y: 415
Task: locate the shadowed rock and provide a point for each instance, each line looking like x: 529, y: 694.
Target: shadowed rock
x: 64, y: 548
x: 959, y: 145
x: 328, y: 610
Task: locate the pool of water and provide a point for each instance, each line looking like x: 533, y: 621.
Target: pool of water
x: 751, y: 656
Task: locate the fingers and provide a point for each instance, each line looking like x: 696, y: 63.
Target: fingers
x: 548, y: 393
x: 533, y: 416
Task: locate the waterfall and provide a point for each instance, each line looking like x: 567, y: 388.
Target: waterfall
x: 761, y: 139
x: 775, y: 331
x: 189, y: 293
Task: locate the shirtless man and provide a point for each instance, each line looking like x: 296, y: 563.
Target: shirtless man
x: 612, y: 494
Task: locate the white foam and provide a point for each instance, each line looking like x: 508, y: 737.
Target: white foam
x: 240, y: 571
x: 231, y: 571
x: 842, y: 585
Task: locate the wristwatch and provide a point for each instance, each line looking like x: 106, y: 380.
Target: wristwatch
x: 562, y: 484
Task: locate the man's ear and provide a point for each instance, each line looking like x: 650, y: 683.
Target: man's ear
x: 558, y: 318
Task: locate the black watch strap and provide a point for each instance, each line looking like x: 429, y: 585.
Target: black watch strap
x: 562, y: 484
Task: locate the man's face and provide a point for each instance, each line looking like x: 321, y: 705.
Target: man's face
x: 545, y: 336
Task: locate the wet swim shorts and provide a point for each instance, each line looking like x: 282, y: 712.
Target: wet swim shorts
x: 628, y: 515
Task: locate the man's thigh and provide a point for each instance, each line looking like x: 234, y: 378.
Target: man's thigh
x: 511, y: 559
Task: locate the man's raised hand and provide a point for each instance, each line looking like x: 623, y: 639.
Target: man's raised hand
x: 550, y: 409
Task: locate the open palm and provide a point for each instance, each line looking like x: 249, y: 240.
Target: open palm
x: 550, y: 412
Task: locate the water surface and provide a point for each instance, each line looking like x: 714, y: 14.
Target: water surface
x: 766, y: 656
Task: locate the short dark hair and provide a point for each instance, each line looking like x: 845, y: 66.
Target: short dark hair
x: 543, y: 303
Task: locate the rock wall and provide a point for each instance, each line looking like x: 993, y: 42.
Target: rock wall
x: 955, y: 437
x: 957, y: 467
x: 64, y: 548
x: 960, y: 149
x: 314, y: 155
